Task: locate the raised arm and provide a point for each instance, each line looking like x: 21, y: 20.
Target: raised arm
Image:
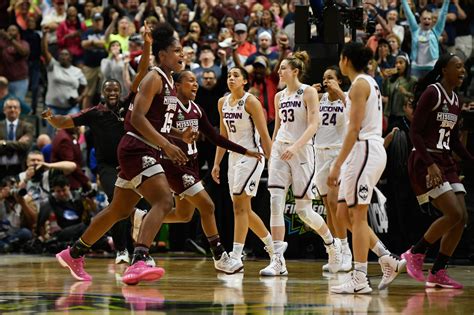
x: 144, y: 60
x: 410, y: 16
x: 44, y: 46
x: 58, y: 121
x: 443, y: 13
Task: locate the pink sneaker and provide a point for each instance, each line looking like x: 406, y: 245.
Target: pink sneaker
x: 442, y: 280
x: 414, y: 265
x: 75, y: 265
x: 140, y: 271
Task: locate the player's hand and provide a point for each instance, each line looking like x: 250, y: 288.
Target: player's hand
x: 259, y: 156
x: 189, y: 135
x: 334, y: 173
x: 175, y: 154
x: 147, y: 34
x: 288, y: 153
x: 318, y: 87
x: 434, y: 177
x: 332, y: 85
x: 47, y: 114
x: 215, y: 173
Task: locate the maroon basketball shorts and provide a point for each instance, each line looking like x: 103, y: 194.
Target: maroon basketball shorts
x: 418, y: 172
x: 138, y: 161
x: 184, y: 180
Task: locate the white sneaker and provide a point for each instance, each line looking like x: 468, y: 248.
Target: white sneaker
x: 325, y: 267
x: 358, y: 284
x: 391, y: 266
x: 138, y: 217
x: 277, y: 266
x: 346, y: 258
x: 122, y: 257
x: 229, y: 264
x: 334, y: 251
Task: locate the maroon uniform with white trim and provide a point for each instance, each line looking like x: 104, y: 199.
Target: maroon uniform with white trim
x: 138, y: 157
x: 434, y: 133
x: 185, y: 179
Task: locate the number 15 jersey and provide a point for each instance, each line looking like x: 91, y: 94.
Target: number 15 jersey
x: 239, y: 123
x: 293, y: 116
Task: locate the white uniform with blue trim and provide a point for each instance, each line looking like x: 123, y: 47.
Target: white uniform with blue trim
x: 366, y: 162
x: 244, y: 172
x: 300, y: 170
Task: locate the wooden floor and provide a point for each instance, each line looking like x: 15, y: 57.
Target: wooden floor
x: 38, y: 285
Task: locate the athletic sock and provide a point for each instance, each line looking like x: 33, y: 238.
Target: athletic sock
x: 344, y: 242
x: 421, y: 247
x: 268, y: 241
x: 327, y: 238
x: 237, y: 249
x: 441, y: 262
x: 79, y: 249
x: 216, y: 247
x: 360, y: 266
x: 140, y: 253
x: 380, y: 250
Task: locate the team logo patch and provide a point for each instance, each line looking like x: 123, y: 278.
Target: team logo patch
x: 148, y: 161
x: 252, y: 185
x: 241, y: 103
x: 299, y: 92
x: 167, y: 91
x: 188, y: 180
x: 180, y: 116
x: 445, y: 107
x: 313, y: 189
x: 363, y: 192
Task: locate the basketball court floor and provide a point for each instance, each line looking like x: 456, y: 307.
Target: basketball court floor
x: 39, y: 285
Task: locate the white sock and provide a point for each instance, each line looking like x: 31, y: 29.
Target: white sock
x: 360, y: 266
x: 268, y: 241
x: 344, y: 242
x: 327, y: 238
x: 278, y: 245
x: 238, y: 249
x: 380, y: 250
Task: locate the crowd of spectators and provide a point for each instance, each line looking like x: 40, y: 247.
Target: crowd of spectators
x: 56, y: 53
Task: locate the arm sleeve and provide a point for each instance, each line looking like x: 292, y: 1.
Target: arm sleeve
x: 211, y: 134
x: 439, y: 26
x: 410, y: 16
x: 420, y: 119
x: 84, y: 117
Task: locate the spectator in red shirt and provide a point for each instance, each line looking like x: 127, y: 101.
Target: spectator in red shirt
x: 69, y: 35
x: 244, y: 47
x: 67, y: 148
x: 14, y: 61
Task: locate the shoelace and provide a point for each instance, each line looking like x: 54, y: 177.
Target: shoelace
x: 387, y: 271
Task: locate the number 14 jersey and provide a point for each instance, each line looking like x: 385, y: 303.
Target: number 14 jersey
x: 293, y: 116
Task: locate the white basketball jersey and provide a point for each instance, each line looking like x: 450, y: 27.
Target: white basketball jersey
x: 371, y: 126
x: 293, y: 116
x: 332, y: 123
x: 239, y: 124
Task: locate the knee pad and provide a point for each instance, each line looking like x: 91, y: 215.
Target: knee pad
x: 277, y: 206
x: 304, y: 209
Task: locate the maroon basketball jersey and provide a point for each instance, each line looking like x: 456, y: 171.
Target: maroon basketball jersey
x: 185, y: 116
x: 162, y: 108
x: 442, y: 118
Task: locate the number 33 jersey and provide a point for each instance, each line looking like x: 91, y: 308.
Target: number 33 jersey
x: 239, y: 123
x: 332, y: 123
x: 293, y: 115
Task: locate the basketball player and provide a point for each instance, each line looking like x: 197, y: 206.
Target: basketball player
x: 242, y: 121
x: 433, y: 171
x: 293, y: 162
x: 184, y: 180
x: 328, y: 142
x: 362, y: 158
x: 141, y: 173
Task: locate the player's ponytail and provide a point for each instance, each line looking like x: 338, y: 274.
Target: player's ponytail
x: 431, y: 77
